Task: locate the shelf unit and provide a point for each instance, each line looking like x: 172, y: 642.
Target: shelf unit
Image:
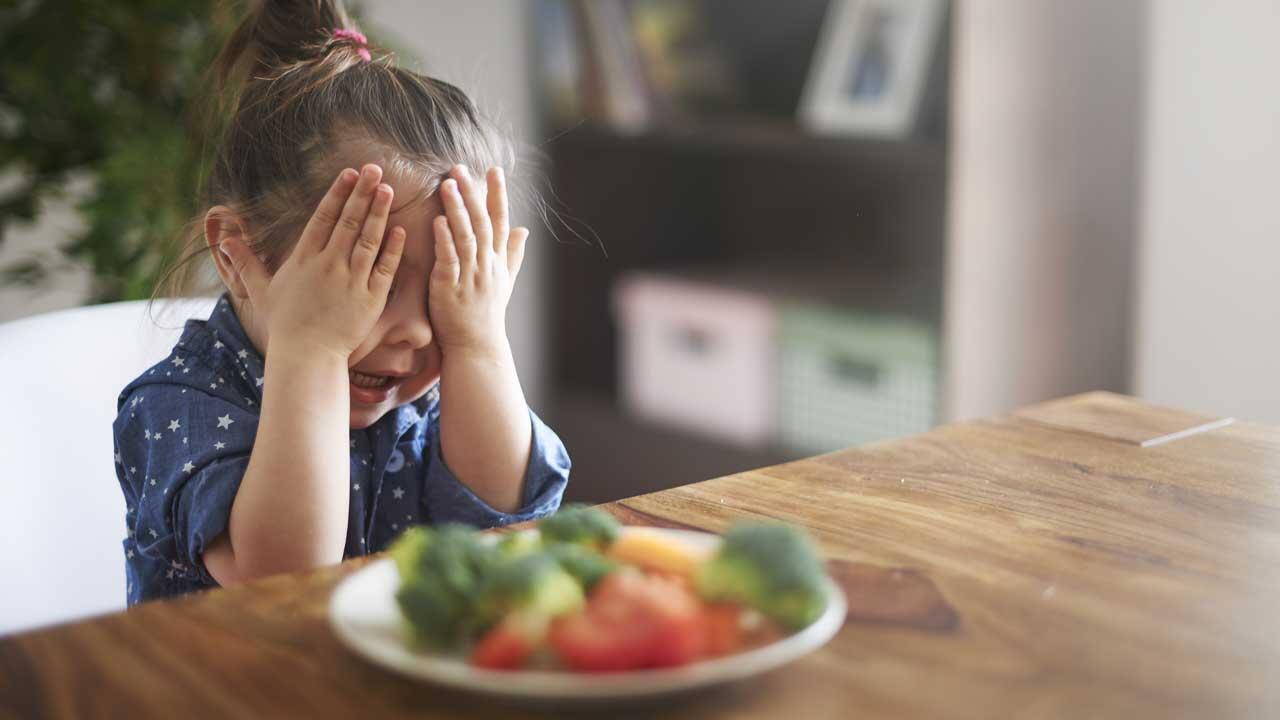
x: 754, y: 194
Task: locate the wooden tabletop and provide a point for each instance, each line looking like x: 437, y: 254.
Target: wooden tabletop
x: 1090, y: 557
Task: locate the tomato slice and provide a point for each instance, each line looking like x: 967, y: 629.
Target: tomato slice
x: 722, y: 624
x: 591, y: 643
x: 632, y: 620
x: 508, y: 645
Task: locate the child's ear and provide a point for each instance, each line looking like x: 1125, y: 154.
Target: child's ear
x: 220, y: 224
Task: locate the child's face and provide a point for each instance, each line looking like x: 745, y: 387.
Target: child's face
x: 401, y: 346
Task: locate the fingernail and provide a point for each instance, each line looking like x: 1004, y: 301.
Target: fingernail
x: 384, y: 188
x: 348, y: 175
x: 462, y: 169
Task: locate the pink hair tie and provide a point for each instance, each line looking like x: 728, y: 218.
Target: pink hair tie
x: 358, y: 38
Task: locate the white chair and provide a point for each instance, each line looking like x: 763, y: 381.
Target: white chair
x: 61, y: 510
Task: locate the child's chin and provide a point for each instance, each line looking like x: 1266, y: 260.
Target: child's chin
x: 363, y: 417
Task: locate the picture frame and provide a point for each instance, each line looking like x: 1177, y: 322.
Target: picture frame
x: 870, y: 67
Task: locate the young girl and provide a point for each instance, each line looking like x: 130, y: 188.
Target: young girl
x: 355, y: 378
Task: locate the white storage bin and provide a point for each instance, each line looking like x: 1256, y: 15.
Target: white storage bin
x: 697, y: 356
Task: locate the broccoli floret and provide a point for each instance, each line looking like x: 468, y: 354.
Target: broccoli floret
x: 440, y: 572
x: 407, y: 550
x: 533, y: 584
x: 580, y: 524
x: 515, y: 544
x: 769, y: 567
x: 586, y: 565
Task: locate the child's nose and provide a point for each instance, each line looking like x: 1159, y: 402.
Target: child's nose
x: 411, y: 329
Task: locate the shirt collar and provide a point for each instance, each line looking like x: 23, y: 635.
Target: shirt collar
x: 225, y: 326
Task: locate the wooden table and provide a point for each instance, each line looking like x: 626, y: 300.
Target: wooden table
x: 1090, y: 557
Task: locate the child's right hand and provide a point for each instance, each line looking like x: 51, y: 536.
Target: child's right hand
x: 330, y: 291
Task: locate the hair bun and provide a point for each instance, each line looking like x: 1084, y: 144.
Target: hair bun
x: 279, y: 34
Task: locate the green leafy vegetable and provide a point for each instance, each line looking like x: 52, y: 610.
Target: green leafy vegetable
x: 533, y: 584
x: 580, y: 524
x: 441, y: 570
x: 585, y: 565
x: 770, y: 567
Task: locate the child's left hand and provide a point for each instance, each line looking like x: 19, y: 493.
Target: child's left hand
x: 478, y: 256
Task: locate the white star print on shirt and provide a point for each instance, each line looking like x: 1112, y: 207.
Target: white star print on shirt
x: 188, y: 467
x: 146, y: 433
x: 356, y: 486
x: 218, y: 345
x: 219, y: 445
x: 397, y: 493
x: 258, y: 380
x: 225, y: 421
x: 174, y: 424
x: 177, y: 361
x: 154, y: 534
x: 243, y: 354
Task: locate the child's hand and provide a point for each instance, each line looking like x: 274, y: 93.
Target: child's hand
x: 477, y: 259
x: 330, y: 291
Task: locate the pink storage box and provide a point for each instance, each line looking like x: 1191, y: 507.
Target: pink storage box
x: 698, y: 356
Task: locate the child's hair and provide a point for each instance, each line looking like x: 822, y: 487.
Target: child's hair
x: 295, y: 83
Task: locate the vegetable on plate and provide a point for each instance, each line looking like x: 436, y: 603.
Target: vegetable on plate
x: 580, y: 593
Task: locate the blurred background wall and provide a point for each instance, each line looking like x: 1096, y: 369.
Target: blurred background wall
x: 1045, y: 150
x: 1207, y: 296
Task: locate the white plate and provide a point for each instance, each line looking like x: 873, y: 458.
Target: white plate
x: 365, y: 617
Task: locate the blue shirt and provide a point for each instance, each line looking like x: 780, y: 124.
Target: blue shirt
x: 184, y: 432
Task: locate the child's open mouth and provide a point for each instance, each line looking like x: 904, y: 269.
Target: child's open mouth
x: 371, y: 389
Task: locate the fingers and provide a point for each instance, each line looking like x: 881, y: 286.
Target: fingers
x: 384, y: 270
x: 498, y: 214
x: 369, y: 242
x: 248, y: 268
x: 459, y: 223
x: 354, y: 211
x: 448, y: 265
x: 320, y: 227
x: 515, y: 250
x: 473, y: 194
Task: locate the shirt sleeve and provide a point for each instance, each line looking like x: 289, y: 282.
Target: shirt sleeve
x: 448, y: 500
x: 183, y: 453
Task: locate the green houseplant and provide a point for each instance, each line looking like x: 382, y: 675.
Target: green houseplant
x: 107, y: 90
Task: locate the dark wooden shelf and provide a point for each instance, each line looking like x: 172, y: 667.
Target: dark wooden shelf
x: 616, y: 456
x: 750, y: 136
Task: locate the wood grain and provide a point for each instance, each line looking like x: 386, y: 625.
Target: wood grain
x: 1120, y: 418
x: 1086, y: 577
